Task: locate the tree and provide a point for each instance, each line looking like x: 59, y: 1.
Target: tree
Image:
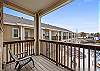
x: 97, y: 34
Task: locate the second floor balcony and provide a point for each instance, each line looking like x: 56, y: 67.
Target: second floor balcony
x: 54, y: 56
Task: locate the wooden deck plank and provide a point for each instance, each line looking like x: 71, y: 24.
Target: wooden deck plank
x: 41, y: 64
x: 37, y: 67
x: 50, y: 65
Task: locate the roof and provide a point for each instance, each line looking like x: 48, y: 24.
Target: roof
x: 31, y: 7
x: 14, y: 19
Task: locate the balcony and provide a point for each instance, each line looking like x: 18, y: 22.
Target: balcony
x: 59, y: 55
x: 41, y: 64
x: 54, y: 56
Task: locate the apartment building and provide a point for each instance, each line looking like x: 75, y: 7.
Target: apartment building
x: 19, y: 28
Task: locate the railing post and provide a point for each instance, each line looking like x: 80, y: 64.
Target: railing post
x: 57, y: 54
x: 1, y: 34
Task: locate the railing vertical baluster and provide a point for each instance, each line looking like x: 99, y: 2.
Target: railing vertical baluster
x: 54, y: 51
x: 75, y: 58
x: 67, y: 56
x: 32, y: 48
x: 29, y: 47
x: 49, y: 50
x: 25, y: 46
x: 41, y: 44
x: 94, y: 58
x: 14, y: 49
x: 83, y: 59
x: 46, y: 49
x: 17, y: 49
x: 22, y: 48
x: 57, y: 54
x: 64, y: 56
x: 11, y: 51
x: 89, y: 59
x: 61, y: 54
x: 6, y: 52
x: 71, y: 55
x: 79, y: 58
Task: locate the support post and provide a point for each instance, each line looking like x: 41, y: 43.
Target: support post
x: 1, y: 34
x: 22, y: 33
x: 50, y: 38
x: 58, y: 35
x: 61, y: 35
x: 37, y: 33
x: 68, y: 36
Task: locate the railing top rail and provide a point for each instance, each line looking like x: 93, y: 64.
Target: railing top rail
x: 87, y: 46
x: 19, y: 41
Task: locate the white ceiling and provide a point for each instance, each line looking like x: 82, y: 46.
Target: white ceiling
x: 36, y: 5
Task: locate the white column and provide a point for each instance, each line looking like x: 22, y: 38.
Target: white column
x: 61, y: 35
x: 37, y: 33
x: 68, y: 36
x: 74, y: 38
x: 58, y: 35
x: 22, y: 33
x: 71, y: 37
x: 50, y: 36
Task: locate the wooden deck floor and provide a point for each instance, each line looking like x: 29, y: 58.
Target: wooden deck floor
x: 41, y: 64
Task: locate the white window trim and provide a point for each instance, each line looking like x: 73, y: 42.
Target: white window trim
x: 28, y: 33
x: 13, y: 32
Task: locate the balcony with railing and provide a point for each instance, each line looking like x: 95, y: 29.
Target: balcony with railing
x: 47, y: 55
x: 17, y: 47
x: 54, y: 56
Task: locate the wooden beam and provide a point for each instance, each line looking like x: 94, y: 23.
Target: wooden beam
x: 1, y: 34
x: 12, y: 5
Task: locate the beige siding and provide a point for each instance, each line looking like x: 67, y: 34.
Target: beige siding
x: 8, y: 33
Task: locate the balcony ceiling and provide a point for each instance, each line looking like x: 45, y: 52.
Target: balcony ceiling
x: 31, y: 7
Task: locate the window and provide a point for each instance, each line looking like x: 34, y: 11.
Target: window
x: 15, y: 32
x: 26, y: 34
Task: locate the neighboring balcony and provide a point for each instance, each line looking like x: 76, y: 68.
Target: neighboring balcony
x: 54, y: 56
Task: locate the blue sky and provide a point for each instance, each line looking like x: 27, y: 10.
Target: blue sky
x: 81, y: 15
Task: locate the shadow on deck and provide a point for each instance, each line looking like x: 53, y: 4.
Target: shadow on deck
x: 41, y: 64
